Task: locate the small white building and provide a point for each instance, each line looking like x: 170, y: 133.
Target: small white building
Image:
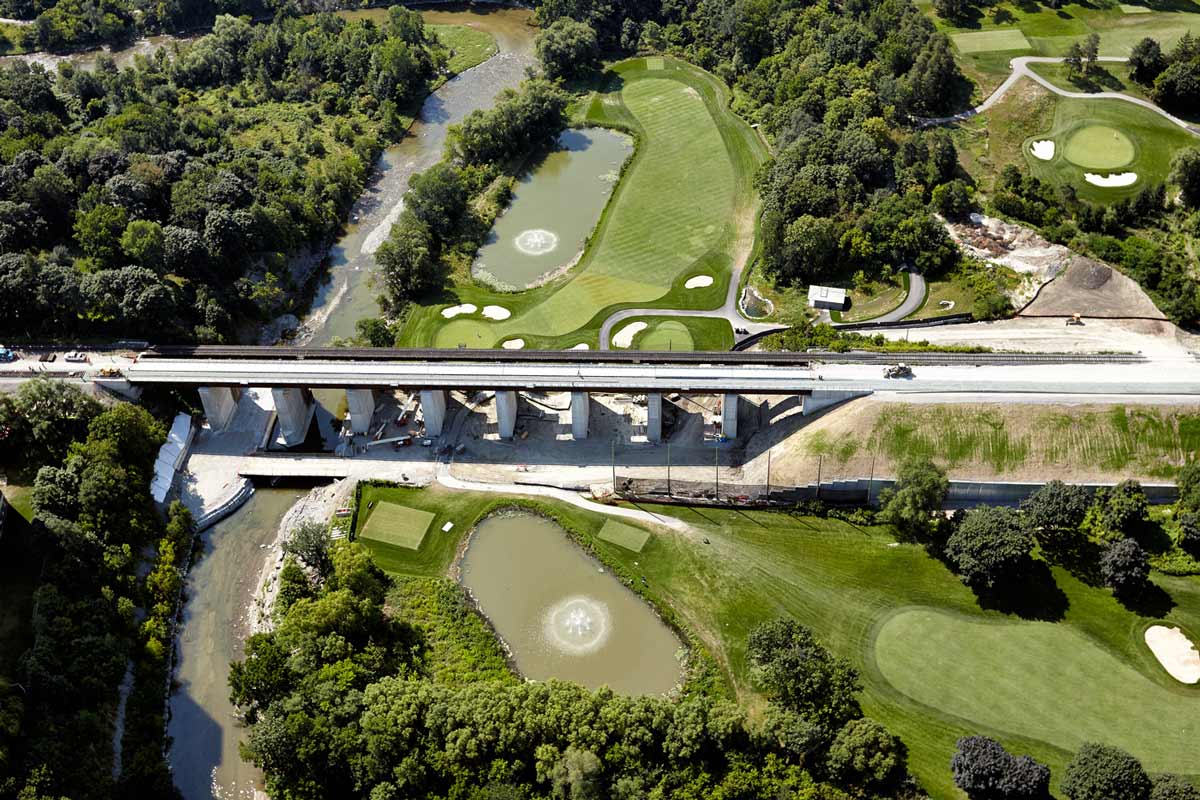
x: 826, y: 297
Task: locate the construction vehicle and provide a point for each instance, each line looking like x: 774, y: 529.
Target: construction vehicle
x: 1075, y: 319
x: 898, y: 371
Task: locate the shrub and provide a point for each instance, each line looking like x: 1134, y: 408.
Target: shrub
x: 1101, y: 772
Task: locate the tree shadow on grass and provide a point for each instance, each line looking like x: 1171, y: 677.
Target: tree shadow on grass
x: 1152, y: 601
x: 1034, y: 596
x: 1078, y: 555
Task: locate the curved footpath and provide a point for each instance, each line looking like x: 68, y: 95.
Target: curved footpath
x: 1020, y: 69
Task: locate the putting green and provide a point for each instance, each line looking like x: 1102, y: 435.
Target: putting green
x: 397, y: 525
x: 1041, y: 680
x: 1099, y: 147
x: 669, y: 335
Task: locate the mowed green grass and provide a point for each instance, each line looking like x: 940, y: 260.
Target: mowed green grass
x: 468, y: 46
x: 1099, y: 147
x: 627, y: 536
x: 1155, y: 140
x: 686, y: 205
x: 680, y: 333
x: 846, y: 582
x: 979, y: 670
x: 986, y: 41
x: 396, y: 525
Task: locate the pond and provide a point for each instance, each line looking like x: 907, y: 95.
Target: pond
x: 555, y: 207
x: 562, y: 614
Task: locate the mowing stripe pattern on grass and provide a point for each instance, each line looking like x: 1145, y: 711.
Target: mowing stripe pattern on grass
x: 623, y: 535
x: 397, y: 525
x: 987, y: 41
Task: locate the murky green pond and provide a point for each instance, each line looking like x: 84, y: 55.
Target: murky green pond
x: 555, y: 207
x: 562, y: 614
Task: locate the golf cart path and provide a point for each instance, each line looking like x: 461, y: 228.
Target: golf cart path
x: 912, y: 301
x: 1020, y: 69
x: 728, y: 311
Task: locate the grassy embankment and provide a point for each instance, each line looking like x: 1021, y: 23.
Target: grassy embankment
x: 936, y: 664
x: 685, y: 206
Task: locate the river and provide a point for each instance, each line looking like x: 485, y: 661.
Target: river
x: 222, y: 583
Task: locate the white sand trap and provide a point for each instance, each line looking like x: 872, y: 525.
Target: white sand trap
x: 1109, y: 181
x: 496, y: 312
x: 698, y: 282
x: 514, y: 344
x: 1175, y: 652
x: 454, y: 311
x: 1043, y: 149
x: 584, y: 346
x: 624, y: 337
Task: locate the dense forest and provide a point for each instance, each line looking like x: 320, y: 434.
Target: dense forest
x: 171, y: 197
x: 97, y: 615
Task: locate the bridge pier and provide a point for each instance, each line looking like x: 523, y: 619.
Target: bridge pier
x: 580, y: 408
x: 295, y: 409
x: 220, y: 404
x: 729, y: 415
x: 362, y: 409
x: 433, y: 406
x: 654, y: 417
x: 506, y: 412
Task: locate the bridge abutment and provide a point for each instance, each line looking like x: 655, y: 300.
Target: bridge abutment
x: 729, y: 415
x: 821, y: 400
x: 654, y: 417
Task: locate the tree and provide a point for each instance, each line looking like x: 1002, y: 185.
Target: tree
x: 1189, y: 532
x: 438, y: 197
x: 1056, y: 511
x: 567, y: 48
x: 1125, y: 568
x: 99, y: 232
x: 1173, y: 787
x: 1074, y: 59
x: 408, y: 261
x: 1185, y: 173
x: 40, y: 421
x: 293, y: 585
x: 310, y: 542
x: 1188, y: 484
x: 986, y: 771
x: 143, y: 243
x: 990, y: 546
x: 865, y: 754
x: 577, y: 773
x: 917, y: 496
x: 1146, y: 61
x: 135, y: 432
x: 355, y: 569
x: 1120, y: 511
x: 1091, y: 50
x: 1178, y: 87
x: 953, y: 200
x: 950, y: 9
x: 1101, y: 772
x: 791, y: 665
x: 262, y: 677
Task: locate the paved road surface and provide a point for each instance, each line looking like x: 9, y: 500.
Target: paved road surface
x: 1020, y: 69
x: 912, y: 301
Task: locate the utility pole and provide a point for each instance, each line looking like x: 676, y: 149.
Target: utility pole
x: 768, y: 474
x: 819, y: 459
x: 614, y: 464
x: 669, y: 469
x: 871, y: 480
x: 717, y: 470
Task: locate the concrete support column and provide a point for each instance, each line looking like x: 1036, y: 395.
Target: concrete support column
x: 506, y: 412
x: 654, y: 417
x: 362, y: 409
x: 729, y: 415
x: 220, y: 404
x: 433, y: 406
x: 580, y: 407
x: 294, y: 408
x: 819, y: 400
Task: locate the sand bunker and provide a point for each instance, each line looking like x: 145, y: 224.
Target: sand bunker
x: 1043, y: 149
x: 583, y: 346
x: 454, y: 311
x: 624, y: 337
x: 1110, y: 181
x: 514, y: 344
x: 496, y: 312
x: 1175, y: 652
x: 698, y: 282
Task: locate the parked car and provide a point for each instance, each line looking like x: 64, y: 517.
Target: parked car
x: 7, y: 355
x: 76, y: 357
x: 47, y: 357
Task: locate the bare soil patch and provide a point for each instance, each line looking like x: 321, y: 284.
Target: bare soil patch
x: 1093, y: 289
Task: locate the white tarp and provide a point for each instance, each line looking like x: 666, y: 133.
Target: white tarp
x: 171, y: 456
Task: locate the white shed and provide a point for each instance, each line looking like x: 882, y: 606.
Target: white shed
x: 826, y: 297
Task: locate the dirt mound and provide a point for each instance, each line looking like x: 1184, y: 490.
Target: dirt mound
x: 1084, y: 273
x: 1093, y: 289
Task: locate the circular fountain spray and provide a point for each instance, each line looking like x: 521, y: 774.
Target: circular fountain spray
x: 577, y: 625
x: 536, y: 242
